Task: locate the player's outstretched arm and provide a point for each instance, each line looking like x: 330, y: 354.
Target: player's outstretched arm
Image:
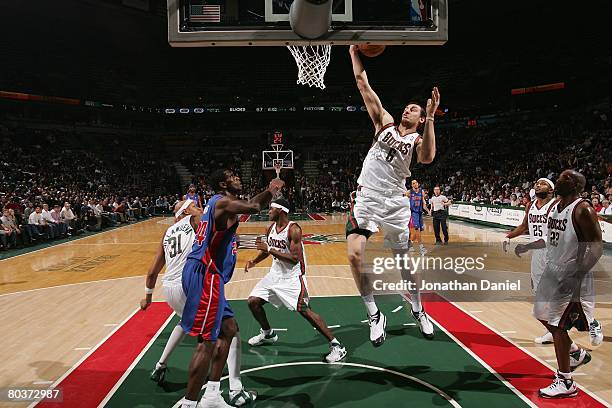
x: 522, y: 228
x: 378, y: 114
x: 226, y: 208
x: 426, y: 150
x: 154, y: 270
x: 260, y: 257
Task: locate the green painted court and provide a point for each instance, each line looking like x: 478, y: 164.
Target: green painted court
x: 406, y: 370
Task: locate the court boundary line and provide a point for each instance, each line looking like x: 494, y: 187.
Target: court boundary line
x: 127, y: 372
x: 485, y: 365
x: 70, y: 284
x: 538, y: 402
x: 424, y: 383
x: 165, y: 323
x: 530, y: 354
x: 77, y: 239
x: 144, y: 276
x: 86, y: 356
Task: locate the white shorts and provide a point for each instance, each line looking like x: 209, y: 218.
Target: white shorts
x: 372, y: 210
x: 562, y: 301
x: 538, y: 264
x: 175, y: 296
x: 291, y: 292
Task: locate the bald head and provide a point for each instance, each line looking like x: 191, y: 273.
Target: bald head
x: 570, y: 183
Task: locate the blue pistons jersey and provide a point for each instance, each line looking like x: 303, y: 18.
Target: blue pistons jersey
x: 416, y: 200
x: 215, y: 249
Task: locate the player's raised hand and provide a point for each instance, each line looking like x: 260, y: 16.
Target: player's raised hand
x: 276, y: 185
x: 248, y: 266
x: 433, y: 102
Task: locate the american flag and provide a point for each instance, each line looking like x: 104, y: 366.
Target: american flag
x: 209, y: 13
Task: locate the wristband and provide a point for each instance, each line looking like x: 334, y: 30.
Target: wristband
x: 148, y: 291
x: 430, y: 118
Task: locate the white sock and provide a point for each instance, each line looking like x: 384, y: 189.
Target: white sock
x: 267, y: 332
x: 233, y: 363
x: 415, y: 301
x: 567, y: 376
x: 212, y: 388
x: 185, y: 403
x: 175, y: 339
x: 574, y: 347
x: 334, y: 342
x: 370, y: 304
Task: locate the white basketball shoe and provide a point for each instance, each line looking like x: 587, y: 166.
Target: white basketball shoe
x: 378, y: 324
x: 262, y: 339
x: 561, y: 387
x: 595, y: 333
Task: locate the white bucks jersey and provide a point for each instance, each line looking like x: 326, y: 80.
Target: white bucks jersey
x: 177, y: 246
x: 562, y: 245
x: 537, y: 220
x: 279, y: 240
x: 387, y: 164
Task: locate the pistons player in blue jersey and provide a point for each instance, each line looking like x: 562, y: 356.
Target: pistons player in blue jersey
x: 417, y: 203
x: 207, y: 314
x: 193, y: 196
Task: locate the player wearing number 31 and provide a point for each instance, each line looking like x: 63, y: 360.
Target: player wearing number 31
x: 380, y: 201
x: 173, y: 251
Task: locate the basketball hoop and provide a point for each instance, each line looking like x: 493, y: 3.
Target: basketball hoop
x: 278, y: 165
x: 312, y: 62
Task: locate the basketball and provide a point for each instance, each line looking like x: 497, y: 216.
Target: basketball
x: 371, y: 50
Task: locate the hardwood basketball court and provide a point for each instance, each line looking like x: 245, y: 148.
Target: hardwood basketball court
x: 64, y: 305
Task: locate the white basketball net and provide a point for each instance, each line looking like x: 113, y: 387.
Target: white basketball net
x: 312, y: 62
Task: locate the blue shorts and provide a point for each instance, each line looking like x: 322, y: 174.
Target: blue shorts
x: 416, y: 221
x: 205, y: 306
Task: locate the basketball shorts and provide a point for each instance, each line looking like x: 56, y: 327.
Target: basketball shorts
x: 562, y: 300
x: 205, y: 303
x: 538, y: 264
x: 290, y: 292
x: 416, y: 221
x: 175, y: 296
x: 372, y: 211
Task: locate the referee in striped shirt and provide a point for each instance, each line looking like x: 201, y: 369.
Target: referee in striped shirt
x: 438, y: 204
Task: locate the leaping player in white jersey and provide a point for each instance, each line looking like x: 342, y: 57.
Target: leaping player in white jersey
x: 285, y: 284
x: 565, y: 296
x: 381, y: 200
x: 173, y: 252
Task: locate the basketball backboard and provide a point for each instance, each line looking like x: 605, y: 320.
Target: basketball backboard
x: 206, y: 23
x: 276, y: 156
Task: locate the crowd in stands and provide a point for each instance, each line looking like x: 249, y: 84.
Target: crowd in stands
x: 52, y: 188
x: 494, y: 163
x: 49, y: 192
x: 499, y: 164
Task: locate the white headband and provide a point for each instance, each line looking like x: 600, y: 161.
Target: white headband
x: 181, y: 210
x: 285, y: 209
x: 550, y: 183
